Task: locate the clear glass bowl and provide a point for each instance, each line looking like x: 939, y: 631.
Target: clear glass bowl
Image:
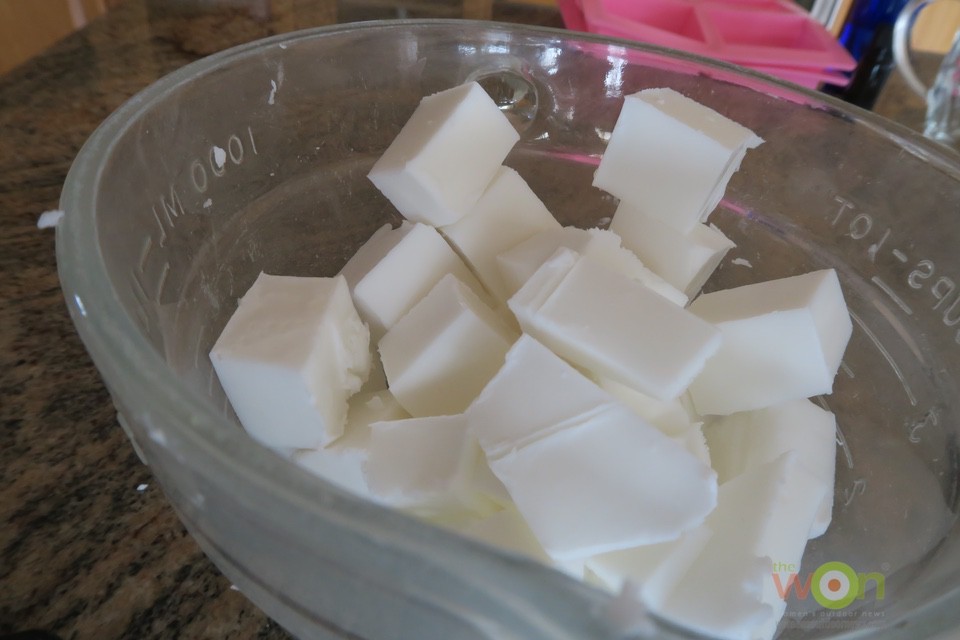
x: 255, y: 159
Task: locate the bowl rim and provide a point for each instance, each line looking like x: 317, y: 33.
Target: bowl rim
x: 130, y: 365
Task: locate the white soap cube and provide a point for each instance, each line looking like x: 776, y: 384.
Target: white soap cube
x: 762, y: 518
x: 685, y: 260
x: 424, y: 464
x: 516, y: 265
x: 655, y: 569
x: 507, y: 213
x: 395, y: 268
x: 609, y: 482
x: 289, y: 358
x: 507, y: 530
x: 377, y: 380
x: 442, y: 353
x: 672, y: 417
x: 488, y: 485
x: 613, y: 326
x: 549, y: 434
x: 607, y: 250
x: 782, y: 340
x: 672, y: 157
x: 445, y: 155
x: 743, y: 441
x: 694, y: 441
x: 533, y: 394
x: 341, y: 462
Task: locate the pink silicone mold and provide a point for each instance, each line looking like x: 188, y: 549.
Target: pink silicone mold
x: 774, y: 36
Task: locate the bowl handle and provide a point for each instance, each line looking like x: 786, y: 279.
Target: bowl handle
x: 902, y: 30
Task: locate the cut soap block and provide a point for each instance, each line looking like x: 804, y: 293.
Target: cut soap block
x: 424, y: 464
x: 746, y: 440
x: 532, y: 394
x: 656, y: 569
x: 507, y: 530
x: 762, y: 518
x: 507, y: 213
x: 289, y: 358
x: 694, y: 441
x: 671, y: 157
x: 613, y: 326
x: 672, y: 417
x: 395, y: 268
x: 445, y: 155
x: 516, y: 265
x: 442, y: 353
x: 631, y: 483
x: 685, y: 260
x: 782, y: 340
x: 341, y: 463
x: 570, y: 454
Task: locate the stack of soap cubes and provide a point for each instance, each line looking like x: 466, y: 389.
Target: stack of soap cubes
x: 550, y: 390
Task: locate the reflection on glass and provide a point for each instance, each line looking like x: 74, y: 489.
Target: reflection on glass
x: 613, y: 80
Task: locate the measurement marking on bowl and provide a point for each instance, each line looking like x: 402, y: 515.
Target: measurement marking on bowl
x: 163, y: 232
x: 139, y: 291
x: 858, y: 489
x: 842, y: 442
x: 162, y: 281
x: 142, y: 317
x: 859, y: 226
x: 838, y: 433
x: 943, y: 289
x: 171, y: 209
x: 235, y: 149
x: 145, y: 253
x: 846, y: 369
x: 142, y: 300
x: 893, y: 296
x: 197, y: 347
x: 875, y: 247
x: 903, y: 331
x: 930, y: 418
x: 215, y: 160
x: 886, y: 354
x: 168, y: 208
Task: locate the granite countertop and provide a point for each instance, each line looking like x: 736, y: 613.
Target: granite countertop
x: 90, y: 547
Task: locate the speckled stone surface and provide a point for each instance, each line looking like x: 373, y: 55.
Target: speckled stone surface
x: 84, y: 552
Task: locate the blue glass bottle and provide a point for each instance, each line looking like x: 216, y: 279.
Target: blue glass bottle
x: 868, y: 35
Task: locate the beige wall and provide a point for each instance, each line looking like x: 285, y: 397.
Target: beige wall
x: 936, y: 25
x: 27, y: 27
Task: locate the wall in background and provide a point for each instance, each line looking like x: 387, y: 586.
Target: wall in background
x: 27, y: 27
x: 935, y: 27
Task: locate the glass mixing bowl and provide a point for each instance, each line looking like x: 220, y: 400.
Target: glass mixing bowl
x: 255, y: 159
